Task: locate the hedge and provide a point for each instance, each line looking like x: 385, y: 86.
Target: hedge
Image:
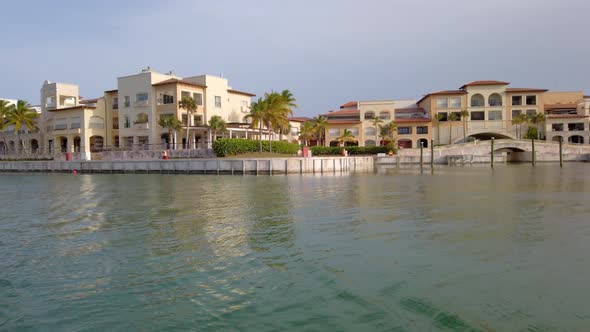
x: 352, y: 150
x: 234, y: 146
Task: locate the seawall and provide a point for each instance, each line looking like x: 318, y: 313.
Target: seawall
x: 201, y: 166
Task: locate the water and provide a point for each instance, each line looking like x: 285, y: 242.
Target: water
x: 465, y: 249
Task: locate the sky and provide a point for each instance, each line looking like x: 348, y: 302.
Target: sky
x: 326, y: 52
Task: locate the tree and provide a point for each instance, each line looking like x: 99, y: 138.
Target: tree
x: 320, y: 125
x: 391, y: 128
x: 537, y: 119
x: 22, y: 115
x: 346, y: 136
x: 5, y: 110
x: 452, y: 117
x: 464, y: 116
x: 216, y: 123
x: 280, y: 107
x: 531, y: 133
x: 438, y: 118
x: 519, y: 120
x: 306, y: 132
x: 190, y: 105
x: 384, y: 133
x: 376, y: 123
x: 256, y: 117
x: 171, y: 123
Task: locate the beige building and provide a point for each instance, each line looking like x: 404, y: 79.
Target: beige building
x: 25, y: 140
x: 491, y: 107
x: 413, y: 123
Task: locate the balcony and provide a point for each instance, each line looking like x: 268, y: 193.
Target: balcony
x: 143, y: 125
x: 141, y: 103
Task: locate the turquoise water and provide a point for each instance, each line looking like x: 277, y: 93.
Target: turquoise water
x: 463, y: 249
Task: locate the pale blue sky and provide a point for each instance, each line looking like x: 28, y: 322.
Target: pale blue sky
x: 325, y: 51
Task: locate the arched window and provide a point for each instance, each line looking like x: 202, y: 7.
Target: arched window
x: 494, y: 100
x: 369, y: 115
x: 370, y: 131
x: 477, y: 100
x: 384, y: 115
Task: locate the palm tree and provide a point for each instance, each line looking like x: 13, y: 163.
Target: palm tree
x: 190, y: 105
x: 438, y: 118
x: 464, y: 115
x: 320, y: 125
x: 5, y: 109
x: 384, y: 133
x: 172, y: 124
x: 391, y: 128
x: 346, y: 136
x: 452, y: 117
x: 256, y: 116
x: 22, y: 115
x: 519, y: 120
x: 216, y: 123
x: 537, y: 119
x: 306, y: 132
x: 376, y: 122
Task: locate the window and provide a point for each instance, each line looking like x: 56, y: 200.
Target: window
x: 354, y: 131
x: 49, y: 102
x: 370, y: 115
x: 516, y: 113
x: 141, y: 96
x: 530, y: 113
x: 557, y: 127
x: 477, y: 116
x: 455, y: 102
x: 167, y: 99
x: 384, y: 115
x: 115, y: 103
x: 75, y: 123
x: 127, y: 101
x: 217, y: 101
x: 370, y: 131
x: 197, y: 120
x: 442, y: 116
x: 531, y: 100
x: 404, y: 130
x: 115, y: 123
x: 495, y: 100
x: 127, y: 123
x: 495, y: 115
x: 516, y: 100
x: 575, y: 126
x: 184, y: 94
x: 457, y: 115
x: 198, y: 97
x: 334, y: 131
x: 442, y: 103
x: 141, y: 118
x: 477, y: 100
x: 422, y: 130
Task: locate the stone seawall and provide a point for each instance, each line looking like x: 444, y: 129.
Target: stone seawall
x: 201, y: 166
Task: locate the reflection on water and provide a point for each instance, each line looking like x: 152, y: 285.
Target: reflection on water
x: 458, y: 250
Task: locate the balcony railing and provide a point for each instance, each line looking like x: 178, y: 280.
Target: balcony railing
x: 141, y: 103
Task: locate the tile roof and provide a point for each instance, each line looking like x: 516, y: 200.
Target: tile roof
x: 344, y: 112
x: 349, y: 104
x: 175, y: 80
x: 485, y: 82
x: 343, y: 122
x: 525, y: 90
x: 412, y: 120
x: 72, y: 108
x: 241, y: 93
x: 299, y: 119
x: 549, y: 107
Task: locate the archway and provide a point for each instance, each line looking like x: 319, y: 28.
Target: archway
x: 424, y: 142
x: 77, y: 143
x: 477, y: 100
x: 370, y: 142
x: 334, y: 143
x: 576, y: 139
x: 96, y: 143
x: 354, y: 143
x: 495, y: 100
x: 405, y: 143
x: 166, y: 140
x: 63, y: 143
x: 34, y: 145
x: 488, y: 136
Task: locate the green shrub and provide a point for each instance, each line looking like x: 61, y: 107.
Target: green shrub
x: 352, y: 150
x: 234, y: 146
x: 531, y: 133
